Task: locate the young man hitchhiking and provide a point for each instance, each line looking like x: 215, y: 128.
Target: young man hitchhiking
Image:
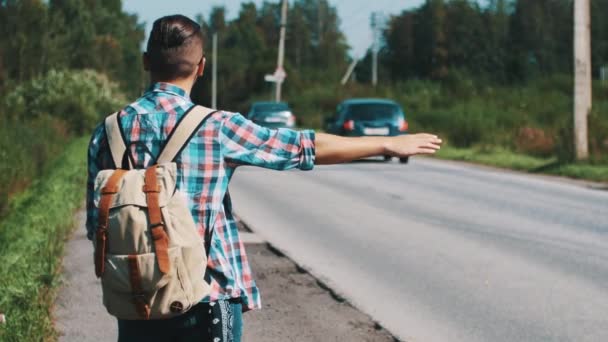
x: 196, y: 172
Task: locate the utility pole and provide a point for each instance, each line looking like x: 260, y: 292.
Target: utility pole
x: 582, y: 76
x: 377, y: 24
x: 375, y: 46
x: 349, y: 71
x: 214, y: 74
x: 280, y: 71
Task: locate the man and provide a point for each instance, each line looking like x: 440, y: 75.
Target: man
x: 175, y: 59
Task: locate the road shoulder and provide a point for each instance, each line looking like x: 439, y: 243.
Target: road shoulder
x: 298, y: 308
x: 295, y: 306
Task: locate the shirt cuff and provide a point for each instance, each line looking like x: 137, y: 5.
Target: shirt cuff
x: 307, y: 153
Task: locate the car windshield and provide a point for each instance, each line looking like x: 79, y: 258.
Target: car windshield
x: 282, y: 116
x: 270, y: 107
x: 373, y: 111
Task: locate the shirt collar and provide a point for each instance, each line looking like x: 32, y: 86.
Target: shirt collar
x: 164, y: 87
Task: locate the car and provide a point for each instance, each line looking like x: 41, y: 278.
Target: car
x: 368, y: 117
x: 272, y: 115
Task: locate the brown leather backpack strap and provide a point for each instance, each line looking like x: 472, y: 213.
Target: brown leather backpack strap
x: 103, y: 217
x: 157, y: 226
x: 139, y: 299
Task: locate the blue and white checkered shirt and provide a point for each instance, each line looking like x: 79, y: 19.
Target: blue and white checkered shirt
x: 205, y: 166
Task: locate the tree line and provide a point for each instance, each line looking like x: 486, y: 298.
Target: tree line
x: 315, y: 49
x: 497, y: 40
x: 500, y: 41
x: 37, y: 36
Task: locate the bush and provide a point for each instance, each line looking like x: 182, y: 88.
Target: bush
x: 468, y: 126
x: 40, y: 116
x: 79, y: 98
x: 535, y: 141
x: 25, y: 150
x: 598, y: 132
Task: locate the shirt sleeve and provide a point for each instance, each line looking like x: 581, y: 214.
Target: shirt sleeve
x: 93, y: 167
x: 245, y: 143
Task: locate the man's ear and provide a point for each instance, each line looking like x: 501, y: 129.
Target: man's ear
x: 201, y: 67
x: 146, y: 61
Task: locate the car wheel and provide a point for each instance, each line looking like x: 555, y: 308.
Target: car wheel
x: 404, y: 160
x: 388, y: 158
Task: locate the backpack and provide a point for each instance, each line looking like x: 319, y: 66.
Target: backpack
x: 148, y: 254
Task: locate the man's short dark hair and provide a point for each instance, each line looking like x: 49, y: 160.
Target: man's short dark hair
x: 175, y: 47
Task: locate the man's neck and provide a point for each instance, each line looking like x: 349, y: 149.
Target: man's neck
x: 184, y: 84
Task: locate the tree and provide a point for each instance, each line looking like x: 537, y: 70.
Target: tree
x: 599, y: 34
x: 538, y: 29
x: 432, y: 56
x: 70, y: 34
x: 496, y: 21
x: 400, y: 47
x: 465, y: 37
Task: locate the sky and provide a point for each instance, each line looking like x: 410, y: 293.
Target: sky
x: 354, y: 14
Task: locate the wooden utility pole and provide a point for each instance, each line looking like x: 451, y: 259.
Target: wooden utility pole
x: 280, y: 71
x: 349, y: 71
x: 375, y: 46
x: 582, y: 76
x: 214, y: 74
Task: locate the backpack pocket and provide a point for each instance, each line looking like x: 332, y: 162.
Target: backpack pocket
x: 167, y: 295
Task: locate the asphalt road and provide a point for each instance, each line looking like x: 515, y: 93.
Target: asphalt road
x: 440, y: 251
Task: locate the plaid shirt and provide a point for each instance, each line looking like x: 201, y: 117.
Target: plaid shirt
x: 225, y: 141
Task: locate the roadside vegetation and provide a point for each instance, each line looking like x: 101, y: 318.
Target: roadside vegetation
x: 56, y: 60
x: 526, y: 127
x: 55, y: 85
x: 44, y: 173
x: 32, y: 237
x: 504, y: 158
x: 40, y: 119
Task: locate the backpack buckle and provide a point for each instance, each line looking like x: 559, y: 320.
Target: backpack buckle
x: 159, y: 224
x: 142, y: 307
x: 102, y: 229
x: 107, y: 190
x: 150, y: 188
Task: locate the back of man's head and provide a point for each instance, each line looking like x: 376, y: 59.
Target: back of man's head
x: 175, y: 48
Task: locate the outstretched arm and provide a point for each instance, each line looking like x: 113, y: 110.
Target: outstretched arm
x: 332, y: 149
x: 245, y: 143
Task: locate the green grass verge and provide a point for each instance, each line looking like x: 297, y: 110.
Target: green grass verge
x: 32, y: 237
x: 500, y: 157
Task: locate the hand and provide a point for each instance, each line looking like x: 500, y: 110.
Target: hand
x: 412, y: 144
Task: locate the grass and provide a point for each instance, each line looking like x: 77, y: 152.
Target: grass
x: 32, y: 237
x: 27, y: 148
x: 504, y: 158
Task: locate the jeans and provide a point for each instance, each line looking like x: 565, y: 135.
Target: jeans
x: 220, y: 321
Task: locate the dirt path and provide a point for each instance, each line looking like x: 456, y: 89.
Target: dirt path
x: 296, y: 307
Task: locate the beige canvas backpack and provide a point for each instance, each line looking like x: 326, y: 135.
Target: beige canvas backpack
x: 148, y: 254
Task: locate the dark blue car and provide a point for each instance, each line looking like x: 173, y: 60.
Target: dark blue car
x: 368, y: 117
x: 272, y: 115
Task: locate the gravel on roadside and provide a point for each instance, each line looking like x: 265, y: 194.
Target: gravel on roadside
x: 295, y: 307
